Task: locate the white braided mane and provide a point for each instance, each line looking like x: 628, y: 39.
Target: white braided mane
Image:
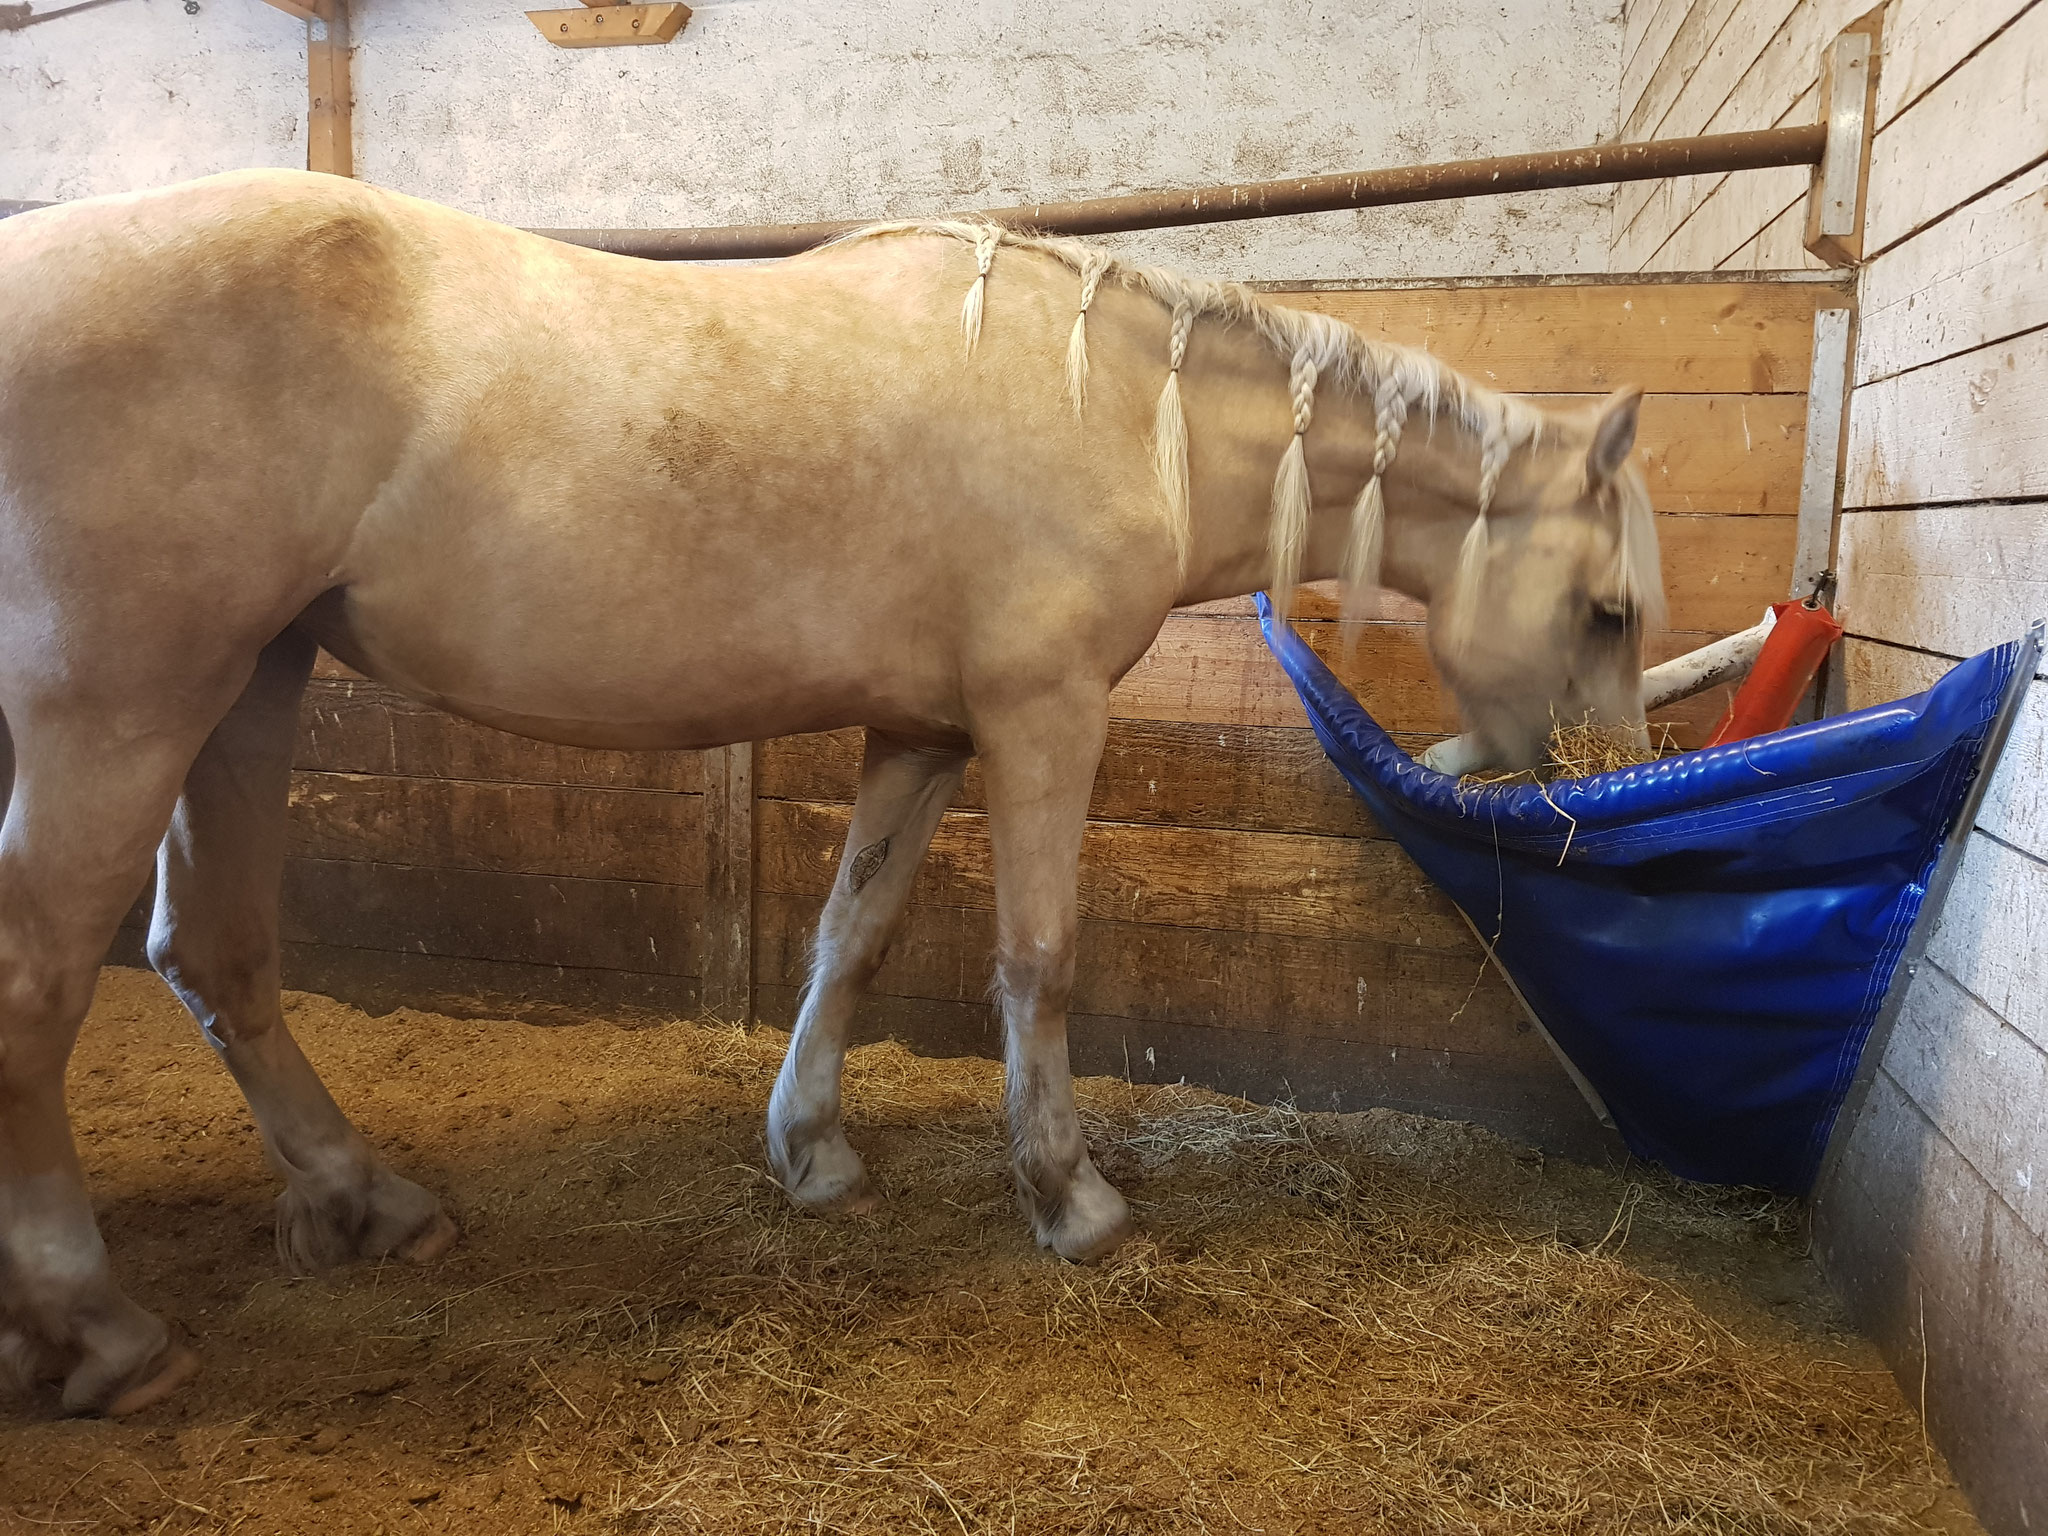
x: 1320, y: 351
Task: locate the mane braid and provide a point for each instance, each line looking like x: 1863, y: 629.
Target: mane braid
x: 1399, y: 380
x: 986, y: 239
x: 1362, y: 555
x: 1468, y: 585
x: 1288, y: 532
x: 1092, y: 268
x: 1170, y: 438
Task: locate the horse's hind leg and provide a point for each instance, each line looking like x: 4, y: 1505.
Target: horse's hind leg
x: 92, y: 790
x: 214, y: 939
x: 904, y: 790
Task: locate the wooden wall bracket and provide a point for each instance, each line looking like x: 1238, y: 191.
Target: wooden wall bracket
x: 1848, y: 106
x: 330, y: 99
x: 599, y: 24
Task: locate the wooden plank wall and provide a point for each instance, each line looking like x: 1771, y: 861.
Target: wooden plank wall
x: 1721, y: 66
x: 1934, y: 1221
x: 1935, y: 1224
x: 1245, y: 924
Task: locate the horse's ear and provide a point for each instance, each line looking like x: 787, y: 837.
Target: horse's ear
x: 1614, y: 435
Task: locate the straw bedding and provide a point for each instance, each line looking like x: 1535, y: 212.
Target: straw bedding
x: 1367, y: 1323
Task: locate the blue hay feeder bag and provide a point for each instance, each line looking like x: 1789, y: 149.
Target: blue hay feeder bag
x: 1709, y: 939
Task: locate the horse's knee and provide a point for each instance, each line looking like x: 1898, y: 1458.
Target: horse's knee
x: 43, y: 996
x: 41, y: 990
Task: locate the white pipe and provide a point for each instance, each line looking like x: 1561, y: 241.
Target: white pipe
x: 1457, y: 756
x: 1680, y: 678
x: 1707, y: 667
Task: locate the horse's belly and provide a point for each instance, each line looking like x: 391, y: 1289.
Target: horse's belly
x: 634, y: 675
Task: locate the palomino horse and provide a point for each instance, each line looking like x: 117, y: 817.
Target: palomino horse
x: 940, y: 481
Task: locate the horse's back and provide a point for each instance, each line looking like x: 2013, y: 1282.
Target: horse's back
x: 513, y: 464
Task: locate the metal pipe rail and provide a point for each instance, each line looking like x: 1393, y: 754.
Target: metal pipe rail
x: 1652, y: 161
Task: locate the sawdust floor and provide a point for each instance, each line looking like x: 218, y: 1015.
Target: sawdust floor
x: 1365, y: 1323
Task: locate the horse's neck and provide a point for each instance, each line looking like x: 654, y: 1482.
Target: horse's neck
x: 1431, y: 490
x: 1428, y: 489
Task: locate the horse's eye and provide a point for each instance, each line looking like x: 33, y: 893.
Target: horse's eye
x: 1610, y: 615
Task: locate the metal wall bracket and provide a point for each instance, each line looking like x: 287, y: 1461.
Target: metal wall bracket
x: 1820, y: 470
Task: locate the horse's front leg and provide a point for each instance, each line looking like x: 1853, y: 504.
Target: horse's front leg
x: 1039, y: 763
x: 904, y: 790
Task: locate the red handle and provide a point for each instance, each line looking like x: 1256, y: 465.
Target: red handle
x: 1792, y: 653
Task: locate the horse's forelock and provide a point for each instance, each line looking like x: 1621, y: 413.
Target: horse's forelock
x: 1639, y: 568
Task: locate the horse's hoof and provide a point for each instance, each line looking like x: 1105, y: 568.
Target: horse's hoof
x: 433, y: 1243
x: 116, y: 1359
x: 27, y: 1361
x: 1092, y: 1221
x: 383, y: 1216
x: 826, y: 1176
x: 172, y: 1369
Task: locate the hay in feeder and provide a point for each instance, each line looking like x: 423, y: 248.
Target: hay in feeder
x: 1367, y: 1323
x: 1580, y: 749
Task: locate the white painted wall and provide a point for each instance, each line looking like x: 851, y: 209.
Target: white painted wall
x: 793, y: 109
x: 139, y: 93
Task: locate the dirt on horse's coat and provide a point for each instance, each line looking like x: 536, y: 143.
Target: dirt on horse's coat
x: 940, y: 481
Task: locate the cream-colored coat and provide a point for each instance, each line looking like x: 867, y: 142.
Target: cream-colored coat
x: 604, y: 502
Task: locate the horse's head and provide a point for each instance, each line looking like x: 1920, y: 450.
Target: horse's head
x: 1542, y: 620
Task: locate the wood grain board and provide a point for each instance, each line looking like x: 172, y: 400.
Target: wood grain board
x: 468, y: 914
x: 1396, y: 995
x: 1982, y: 1079
x: 1159, y: 773
x: 1926, y: 40
x: 1946, y: 1278
x: 1979, y: 276
x: 1954, y: 580
x: 1664, y: 76
x: 1683, y: 338
x: 1978, y: 126
x: 1648, y: 32
x: 1967, y: 428
x: 1780, y: 245
x: 1762, y: 64
x: 509, y: 827
x: 1993, y: 933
